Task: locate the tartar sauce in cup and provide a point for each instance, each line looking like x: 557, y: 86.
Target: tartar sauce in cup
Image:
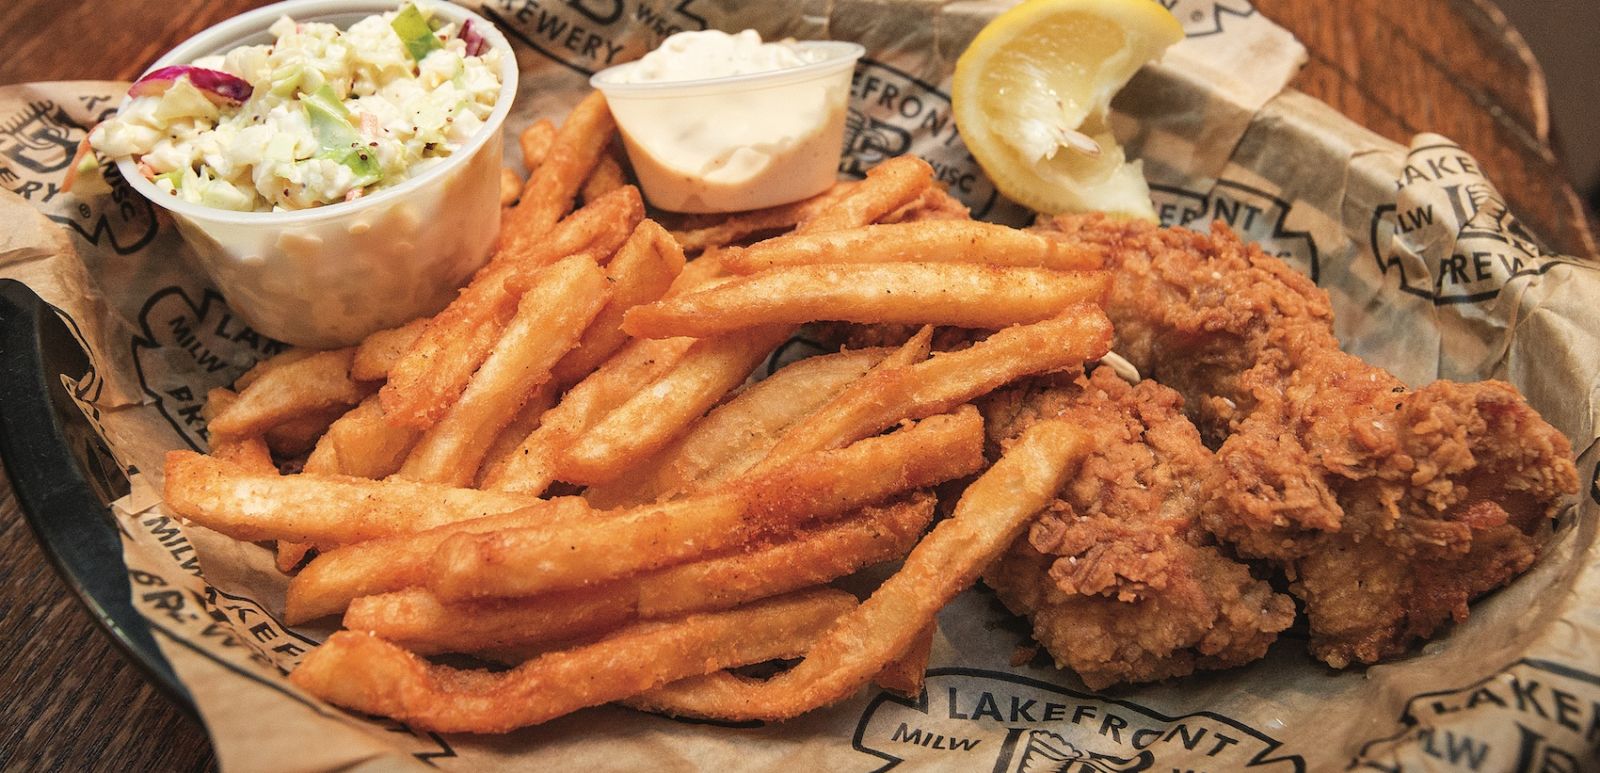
x: 714, y: 122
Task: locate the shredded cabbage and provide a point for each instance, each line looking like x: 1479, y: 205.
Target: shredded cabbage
x: 330, y: 112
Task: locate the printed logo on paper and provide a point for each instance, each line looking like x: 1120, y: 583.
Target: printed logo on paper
x: 1443, y: 199
x: 41, y: 139
x: 1257, y: 216
x: 1535, y: 716
x: 36, y: 149
x: 892, y: 114
x: 186, y: 349
x: 969, y: 719
x: 235, y: 632
x: 591, y: 35
x: 219, y: 618
x: 1206, y: 17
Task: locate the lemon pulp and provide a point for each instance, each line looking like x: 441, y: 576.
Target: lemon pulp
x: 1032, y: 95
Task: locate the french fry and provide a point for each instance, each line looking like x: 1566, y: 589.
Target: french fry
x: 551, y: 188
x: 420, y: 622
x: 531, y: 468
x: 914, y: 350
x: 650, y: 419
x: 905, y: 674
x: 510, y: 186
x: 381, y: 350
x: 606, y: 177
x: 642, y: 271
x: 990, y: 515
x: 535, y: 142
x: 819, y: 487
x: 359, y: 443
x: 948, y: 241
x: 889, y: 186
x: 362, y: 443
x: 417, y: 620
x: 290, y: 555
x: 731, y: 229
x: 510, y: 437
x: 872, y: 535
x: 563, y: 299
x: 959, y: 294
x: 250, y: 452
x: 321, y: 510
x: 600, y: 227
x: 436, y: 368
x: 264, y: 366
x: 333, y: 579
x: 934, y: 204
x: 948, y: 379
x: 738, y: 433
x: 316, y: 382
x: 713, y: 366
x: 702, y: 272
x: 430, y: 375
x: 365, y: 673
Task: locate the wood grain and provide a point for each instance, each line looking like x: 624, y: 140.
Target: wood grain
x: 1455, y: 67
x: 71, y: 702
x: 68, y: 698
x: 48, y: 40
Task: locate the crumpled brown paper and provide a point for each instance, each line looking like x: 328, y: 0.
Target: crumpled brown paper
x: 1430, y: 275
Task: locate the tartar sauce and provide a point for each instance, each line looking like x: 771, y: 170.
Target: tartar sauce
x: 696, y: 55
x: 699, y: 144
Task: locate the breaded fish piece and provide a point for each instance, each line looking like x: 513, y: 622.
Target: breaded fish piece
x: 1389, y: 509
x: 1120, y: 578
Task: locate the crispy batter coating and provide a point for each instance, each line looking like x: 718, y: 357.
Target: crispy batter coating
x: 1389, y: 509
x: 1119, y: 576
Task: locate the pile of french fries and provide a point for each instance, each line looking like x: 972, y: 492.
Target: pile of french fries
x: 566, y: 472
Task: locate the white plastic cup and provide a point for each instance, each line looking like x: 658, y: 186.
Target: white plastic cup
x: 327, y: 276
x: 674, y: 130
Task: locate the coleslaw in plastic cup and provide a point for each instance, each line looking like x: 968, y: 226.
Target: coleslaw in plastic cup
x: 328, y: 275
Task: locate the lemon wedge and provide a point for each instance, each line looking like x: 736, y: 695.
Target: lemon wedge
x: 1032, y: 93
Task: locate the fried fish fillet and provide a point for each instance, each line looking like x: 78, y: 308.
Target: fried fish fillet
x: 1120, y: 578
x: 1388, y: 508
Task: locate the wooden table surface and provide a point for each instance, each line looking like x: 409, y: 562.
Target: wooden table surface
x: 69, y: 701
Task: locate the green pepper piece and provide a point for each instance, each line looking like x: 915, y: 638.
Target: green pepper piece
x: 415, y: 33
x: 337, y: 136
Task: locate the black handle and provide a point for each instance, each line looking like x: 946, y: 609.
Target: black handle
x: 64, y: 478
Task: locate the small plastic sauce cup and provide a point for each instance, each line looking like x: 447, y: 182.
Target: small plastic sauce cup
x: 739, y: 142
x: 327, y: 276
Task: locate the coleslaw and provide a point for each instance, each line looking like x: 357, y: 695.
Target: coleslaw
x: 319, y: 116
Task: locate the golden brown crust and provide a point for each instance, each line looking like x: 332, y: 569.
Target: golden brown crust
x: 1119, y: 576
x: 1389, y: 508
